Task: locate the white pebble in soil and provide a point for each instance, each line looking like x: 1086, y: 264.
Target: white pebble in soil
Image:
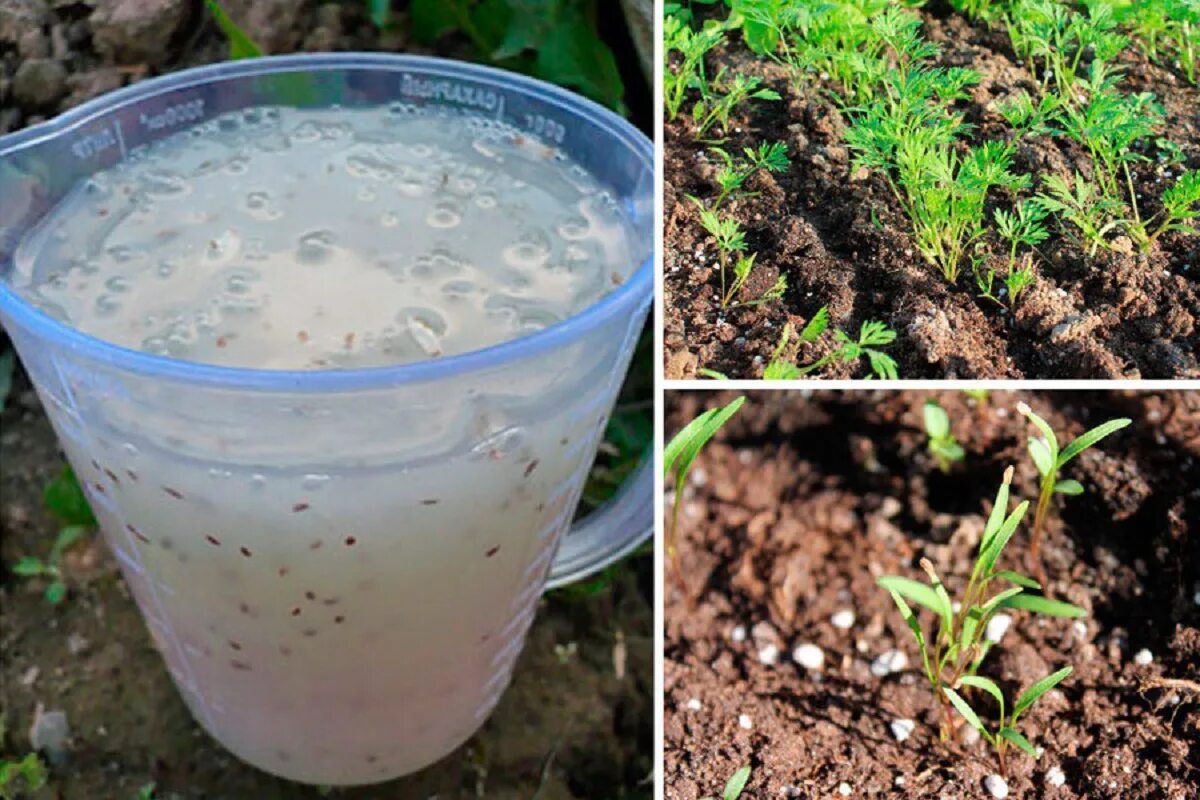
x: 997, y: 626
x: 809, y: 656
x: 768, y: 655
x: 738, y: 634
x: 888, y: 662
x: 1143, y: 657
x: 1055, y: 777
x: 744, y: 721
x: 843, y: 620
x: 996, y: 786
x: 693, y: 704
x: 902, y: 729
x: 844, y: 789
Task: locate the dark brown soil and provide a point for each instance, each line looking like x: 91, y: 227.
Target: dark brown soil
x: 842, y: 241
x: 803, y: 501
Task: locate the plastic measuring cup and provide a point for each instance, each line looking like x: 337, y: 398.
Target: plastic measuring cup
x: 339, y: 567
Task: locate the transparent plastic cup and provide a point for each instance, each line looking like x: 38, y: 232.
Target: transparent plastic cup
x: 339, y: 567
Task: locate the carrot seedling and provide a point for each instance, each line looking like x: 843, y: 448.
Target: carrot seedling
x: 64, y: 499
x: 731, y: 244
x: 873, y: 334
x: 942, y: 445
x: 681, y: 452
x: 959, y: 645
x: 1049, y: 459
x: 734, y: 172
x: 1006, y: 730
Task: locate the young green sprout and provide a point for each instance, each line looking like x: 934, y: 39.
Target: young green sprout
x: 734, y: 173
x: 64, y: 499
x: 959, y: 645
x: 731, y: 242
x: 1006, y: 729
x: 737, y: 782
x: 1021, y: 227
x: 945, y: 448
x: 1049, y: 459
x: 678, y: 456
x: 872, y: 334
x: 688, y: 72
x: 715, y: 109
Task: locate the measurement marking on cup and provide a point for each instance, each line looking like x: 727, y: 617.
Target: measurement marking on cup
x: 545, y: 128
x: 187, y: 111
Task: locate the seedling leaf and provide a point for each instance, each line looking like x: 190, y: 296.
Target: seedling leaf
x: 987, y: 685
x: 1069, y: 487
x: 937, y: 421
x: 967, y: 712
x: 1018, y: 579
x: 1034, y: 692
x: 1000, y: 540
x: 1019, y: 740
x: 28, y: 567
x: 240, y: 44
x: 681, y: 451
x: 816, y: 326
x: 1091, y: 437
x: 912, y: 590
x: 1043, y: 605
x: 911, y: 620
x: 1046, y: 431
x: 733, y: 789
x: 1040, y: 453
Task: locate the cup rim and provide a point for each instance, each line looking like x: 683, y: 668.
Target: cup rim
x: 637, y: 288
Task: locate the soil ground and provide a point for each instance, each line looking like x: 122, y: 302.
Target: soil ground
x: 578, y: 719
x: 842, y: 241
x: 804, y: 500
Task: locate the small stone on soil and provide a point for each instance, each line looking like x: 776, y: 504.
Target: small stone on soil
x: 1055, y: 777
x: 768, y: 655
x: 996, y: 786
x: 902, y: 729
x: 997, y: 627
x: 1143, y: 657
x: 49, y: 733
x: 693, y: 704
x: 842, y: 620
x: 738, y: 634
x: 889, y: 662
x: 76, y: 644
x: 809, y: 656
x: 30, y: 675
x: 744, y: 721
x: 844, y: 789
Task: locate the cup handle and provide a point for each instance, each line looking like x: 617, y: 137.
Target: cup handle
x: 611, y: 531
